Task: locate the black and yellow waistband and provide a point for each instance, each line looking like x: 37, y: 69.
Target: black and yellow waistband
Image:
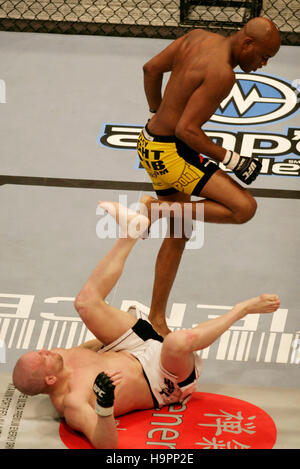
x: 158, y: 138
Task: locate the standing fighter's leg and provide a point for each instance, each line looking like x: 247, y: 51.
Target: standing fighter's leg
x: 225, y: 201
x: 178, y: 347
x: 104, y: 321
x: 166, y: 267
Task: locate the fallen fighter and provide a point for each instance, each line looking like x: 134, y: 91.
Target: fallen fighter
x: 128, y: 366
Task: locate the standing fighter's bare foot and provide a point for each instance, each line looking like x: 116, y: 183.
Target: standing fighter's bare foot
x: 131, y: 223
x: 259, y: 305
x: 160, y: 327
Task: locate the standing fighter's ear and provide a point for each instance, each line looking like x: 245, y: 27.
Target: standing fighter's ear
x: 248, y: 43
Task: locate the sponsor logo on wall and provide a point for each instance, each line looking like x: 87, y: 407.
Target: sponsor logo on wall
x: 243, y: 342
x: 209, y: 421
x: 255, y: 100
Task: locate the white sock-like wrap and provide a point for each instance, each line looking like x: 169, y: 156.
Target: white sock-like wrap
x: 103, y: 411
x: 246, y: 168
x: 231, y: 159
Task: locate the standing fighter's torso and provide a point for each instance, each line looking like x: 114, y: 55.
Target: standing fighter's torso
x: 199, y: 52
x: 131, y: 394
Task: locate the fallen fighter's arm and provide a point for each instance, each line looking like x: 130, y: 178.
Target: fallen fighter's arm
x: 97, y: 424
x: 100, y: 431
x: 94, y: 345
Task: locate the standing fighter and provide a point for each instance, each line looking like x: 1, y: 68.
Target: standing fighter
x: 201, y: 65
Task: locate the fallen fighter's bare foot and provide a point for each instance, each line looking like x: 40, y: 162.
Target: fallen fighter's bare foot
x: 145, y: 206
x: 264, y: 303
x: 132, y: 224
x: 145, y: 209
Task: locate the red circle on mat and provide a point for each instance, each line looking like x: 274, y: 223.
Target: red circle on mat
x: 208, y: 421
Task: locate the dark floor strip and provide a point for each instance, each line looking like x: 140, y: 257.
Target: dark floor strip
x: 123, y: 185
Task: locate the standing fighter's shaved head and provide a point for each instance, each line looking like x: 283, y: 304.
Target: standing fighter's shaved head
x: 255, y: 44
x: 261, y: 28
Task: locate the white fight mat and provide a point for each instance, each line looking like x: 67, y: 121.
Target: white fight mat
x: 26, y: 422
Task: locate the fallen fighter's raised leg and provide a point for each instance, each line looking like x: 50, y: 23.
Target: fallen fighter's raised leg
x: 104, y: 321
x: 178, y: 347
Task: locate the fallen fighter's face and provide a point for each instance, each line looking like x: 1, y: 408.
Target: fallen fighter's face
x: 33, y: 369
x: 52, y: 361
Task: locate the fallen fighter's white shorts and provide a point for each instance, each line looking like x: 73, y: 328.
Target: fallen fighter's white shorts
x: 143, y: 342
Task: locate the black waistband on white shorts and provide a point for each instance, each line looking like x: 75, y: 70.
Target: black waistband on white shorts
x: 145, y: 331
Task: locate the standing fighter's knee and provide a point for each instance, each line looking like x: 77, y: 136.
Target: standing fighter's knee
x: 179, y: 230
x: 178, y: 244
x: 246, y: 211
x: 178, y: 239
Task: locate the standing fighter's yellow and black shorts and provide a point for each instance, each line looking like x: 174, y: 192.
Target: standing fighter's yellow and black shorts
x: 172, y: 165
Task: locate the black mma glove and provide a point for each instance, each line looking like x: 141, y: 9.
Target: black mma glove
x: 244, y: 167
x: 104, y: 390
